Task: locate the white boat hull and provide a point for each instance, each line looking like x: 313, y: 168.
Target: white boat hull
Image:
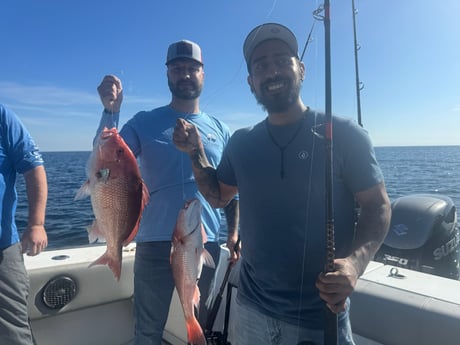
x: 417, y: 309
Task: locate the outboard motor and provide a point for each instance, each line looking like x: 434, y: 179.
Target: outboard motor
x: 423, y: 236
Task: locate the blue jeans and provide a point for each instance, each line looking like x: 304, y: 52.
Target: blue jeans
x: 154, y: 287
x: 253, y: 327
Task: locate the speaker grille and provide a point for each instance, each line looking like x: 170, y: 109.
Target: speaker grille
x: 59, y: 291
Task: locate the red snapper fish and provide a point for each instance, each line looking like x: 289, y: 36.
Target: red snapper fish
x: 118, y: 196
x: 187, y: 258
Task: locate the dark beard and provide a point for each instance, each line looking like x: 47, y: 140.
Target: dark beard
x: 185, y: 93
x: 280, y: 102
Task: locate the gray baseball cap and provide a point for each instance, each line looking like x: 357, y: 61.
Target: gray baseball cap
x: 184, y: 49
x: 269, y: 31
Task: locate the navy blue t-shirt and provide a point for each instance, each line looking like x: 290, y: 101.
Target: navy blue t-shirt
x: 280, y: 174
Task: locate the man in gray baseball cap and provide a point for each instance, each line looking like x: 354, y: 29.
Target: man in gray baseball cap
x: 167, y: 175
x: 184, y: 49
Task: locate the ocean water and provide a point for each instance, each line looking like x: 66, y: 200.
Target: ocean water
x: 66, y: 218
x: 407, y: 170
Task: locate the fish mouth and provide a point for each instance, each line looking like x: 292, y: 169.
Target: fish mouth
x: 107, y: 133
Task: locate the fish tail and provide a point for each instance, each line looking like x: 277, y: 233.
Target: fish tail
x: 194, y: 332
x: 114, y: 264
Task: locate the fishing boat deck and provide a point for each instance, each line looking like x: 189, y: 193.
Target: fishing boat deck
x: 418, y: 309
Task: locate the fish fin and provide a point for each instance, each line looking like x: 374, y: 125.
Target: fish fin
x: 203, y: 234
x: 94, y: 234
x: 145, y: 199
x: 132, y: 234
x: 83, y: 192
x: 207, y: 259
x: 113, y: 263
x: 145, y: 195
x: 205, y: 256
x: 171, y: 253
x: 92, y: 237
x: 194, y: 332
x: 196, y: 297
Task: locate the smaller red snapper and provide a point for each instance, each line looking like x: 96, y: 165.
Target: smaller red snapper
x: 187, y: 258
x: 118, y: 196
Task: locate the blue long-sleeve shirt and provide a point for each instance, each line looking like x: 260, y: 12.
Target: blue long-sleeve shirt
x: 168, y: 171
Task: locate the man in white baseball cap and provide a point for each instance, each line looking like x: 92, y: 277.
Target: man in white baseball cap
x: 269, y: 31
x: 277, y: 167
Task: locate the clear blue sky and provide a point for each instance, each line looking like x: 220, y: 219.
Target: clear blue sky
x: 54, y: 53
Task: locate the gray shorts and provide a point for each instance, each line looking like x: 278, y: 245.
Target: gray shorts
x: 14, y: 290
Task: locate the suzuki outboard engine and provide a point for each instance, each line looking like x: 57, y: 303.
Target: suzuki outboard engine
x: 423, y: 235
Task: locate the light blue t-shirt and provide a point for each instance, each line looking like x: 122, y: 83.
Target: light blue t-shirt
x: 18, y: 154
x: 280, y: 174
x: 168, y: 171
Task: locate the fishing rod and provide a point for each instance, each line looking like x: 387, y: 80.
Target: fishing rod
x: 359, y: 85
x: 330, y: 322
x: 307, y: 41
x: 212, y: 337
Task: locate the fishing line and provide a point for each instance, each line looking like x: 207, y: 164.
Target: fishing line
x: 220, y: 90
x: 307, y: 217
x: 183, y: 175
x: 330, y: 322
x: 182, y: 154
x: 272, y: 9
x: 315, y: 136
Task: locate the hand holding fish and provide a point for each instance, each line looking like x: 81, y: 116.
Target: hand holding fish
x: 186, y: 136
x: 111, y: 93
x: 335, y: 287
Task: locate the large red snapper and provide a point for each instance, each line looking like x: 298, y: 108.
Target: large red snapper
x: 118, y: 196
x: 187, y: 258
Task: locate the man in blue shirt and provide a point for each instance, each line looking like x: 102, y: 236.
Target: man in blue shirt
x: 278, y: 168
x: 169, y: 178
x: 18, y: 154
